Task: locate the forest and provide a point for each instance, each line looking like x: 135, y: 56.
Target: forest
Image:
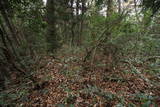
x: 79, y: 53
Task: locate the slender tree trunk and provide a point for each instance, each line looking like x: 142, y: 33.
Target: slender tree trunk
x: 110, y: 7
x: 81, y: 23
x: 78, y: 23
x: 77, y: 7
x: 119, y: 6
x: 72, y: 23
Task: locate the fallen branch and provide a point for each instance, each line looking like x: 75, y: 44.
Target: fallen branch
x: 113, y: 79
x: 152, y: 58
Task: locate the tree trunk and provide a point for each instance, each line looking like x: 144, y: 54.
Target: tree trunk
x: 110, y: 7
x: 51, y: 37
x: 72, y: 21
x: 119, y: 6
x: 81, y: 23
x: 8, y: 23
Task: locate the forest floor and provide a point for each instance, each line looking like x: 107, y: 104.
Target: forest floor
x: 68, y: 81
x: 75, y: 83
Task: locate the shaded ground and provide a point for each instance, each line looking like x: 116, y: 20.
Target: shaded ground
x: 73, y: 83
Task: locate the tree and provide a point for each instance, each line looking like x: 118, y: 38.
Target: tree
x: 51, y: 37
x: 15, y: 52
x: 110, y: 7
x: 119, y: 6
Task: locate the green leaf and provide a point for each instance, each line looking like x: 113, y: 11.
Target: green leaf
x: 147, y: 104
x: 131, y: 105
x: 71, y: 105
x: 60, y: 105
x: 119, y: 105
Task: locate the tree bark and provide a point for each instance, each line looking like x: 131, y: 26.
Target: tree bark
x: 8, y: 23
x: 51, y: 37
x: 72, y: 21
x: 119, y: 6
x: 110, y: 7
